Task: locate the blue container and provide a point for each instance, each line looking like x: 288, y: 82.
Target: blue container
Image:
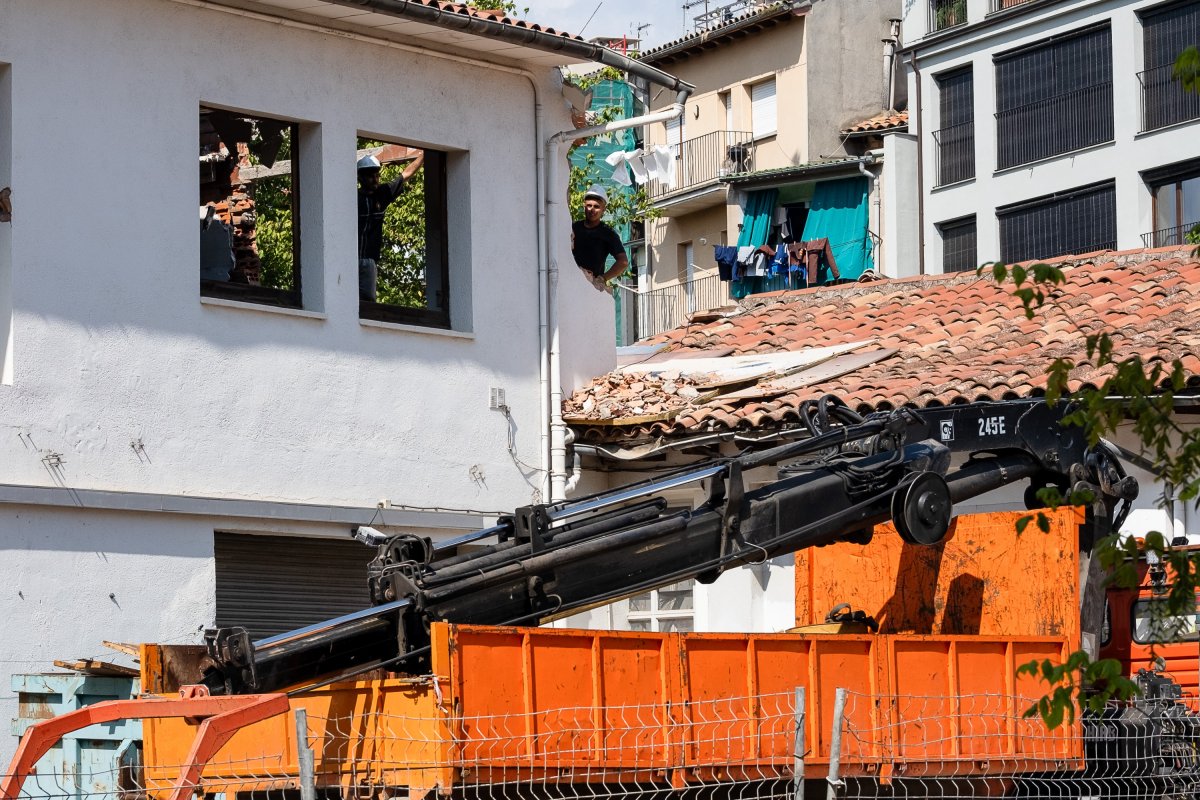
x: 97, y: 762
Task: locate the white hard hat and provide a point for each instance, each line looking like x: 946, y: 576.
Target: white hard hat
x: 596, y: 191
x: 368, y: 162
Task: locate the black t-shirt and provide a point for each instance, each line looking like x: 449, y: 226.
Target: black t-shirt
x: 371, y: 206
x: 593, y: 246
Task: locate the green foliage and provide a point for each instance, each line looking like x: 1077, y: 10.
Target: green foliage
x: 599, y: 76
x: 507, y: 6
x: 1077, y: 683
x: 401, y: 267
x: 274, y: 235
x: 1187, y: 69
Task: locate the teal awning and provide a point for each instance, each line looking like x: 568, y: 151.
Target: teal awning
x: 839, y: 214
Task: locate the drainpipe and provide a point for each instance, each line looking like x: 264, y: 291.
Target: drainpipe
x: 556, y: 152
x: 872, y: 190
x: 889, y: 65
x: 917, y: 118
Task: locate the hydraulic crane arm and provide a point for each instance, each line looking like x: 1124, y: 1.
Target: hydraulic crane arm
x: 551, y: 560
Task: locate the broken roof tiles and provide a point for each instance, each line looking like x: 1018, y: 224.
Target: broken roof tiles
x: 889, y: 120
x: 954, y: 338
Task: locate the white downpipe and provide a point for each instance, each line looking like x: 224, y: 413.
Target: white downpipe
x: 556, y: 147
x: 540, y: 181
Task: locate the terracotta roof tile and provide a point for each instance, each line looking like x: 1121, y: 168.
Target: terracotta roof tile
x: 492, y: 14
x: 960, y: 338
x: 880, y: 122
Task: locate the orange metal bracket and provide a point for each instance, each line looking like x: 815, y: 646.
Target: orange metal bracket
x: 222, y: 718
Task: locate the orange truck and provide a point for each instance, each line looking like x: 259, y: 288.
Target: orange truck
x: 415, y: 696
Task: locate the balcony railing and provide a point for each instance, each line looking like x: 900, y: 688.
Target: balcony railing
x: 955, y: 153
x: 706, y: 158
x: 668, y: 307
x: 945, y: 14
x: 1167, y: 237
x: 1001, y: 5
x: 1164, y: 101
x: 1069, y: 121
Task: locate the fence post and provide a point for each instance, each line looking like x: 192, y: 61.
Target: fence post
x: 798, y: 747
x: 835, y: 745
x: 304, y: 758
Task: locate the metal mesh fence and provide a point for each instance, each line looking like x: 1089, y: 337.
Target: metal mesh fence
x: 851, y: 745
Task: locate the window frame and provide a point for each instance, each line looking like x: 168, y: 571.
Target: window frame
x: 1172, y: 175
x: 953, y: 226
x: 436, y: 212
x: 1057, y: 200
x: 654, y: 616
x: 756, y: 134
x: 947, y: 86
x: 267, y: 295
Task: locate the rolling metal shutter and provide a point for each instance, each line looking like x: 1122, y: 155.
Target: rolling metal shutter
x: 272, y: 584
x: 762, y: 108
x: 1077, y: 221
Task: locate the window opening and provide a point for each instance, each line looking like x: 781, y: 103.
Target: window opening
x: 1176, y: 209
x: 958, y: 245
x: 402, y: 234
x: 670, y: 609
x: 762, y: 109
x: 249, y: 208
x: 1153, y: 625
x: 956, y: 138
x: 1054, y: 97
x: 1077, y: 221
x: 1166, y: 32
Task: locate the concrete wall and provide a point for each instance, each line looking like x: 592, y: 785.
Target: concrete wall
x: 845, y: 69
x: 1123, y: 159
x: 118, y: 378
x: 898, y: 257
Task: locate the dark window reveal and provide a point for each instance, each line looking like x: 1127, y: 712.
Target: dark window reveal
x: 249, y: 208
x: 956, y: 138
x: 1077, y: 221
x: 1167, y: 31
x: 412, y: 278
x: 958, y: 245
x: 1054, y: 97
x: 1176, y: 192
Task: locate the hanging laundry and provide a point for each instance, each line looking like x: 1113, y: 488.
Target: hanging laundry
x: 726, y: 258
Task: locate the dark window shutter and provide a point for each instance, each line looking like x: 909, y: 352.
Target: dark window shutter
x: 273, y: 584
x: 1054, y: 97
x: 956, y: 137
x: 1078, y: 221
x: 1166, y: 32
x: 958, y: 245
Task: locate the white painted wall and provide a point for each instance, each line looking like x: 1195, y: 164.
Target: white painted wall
x: 898, y: 185
x: 111, y: 342
x: 1129, y: 154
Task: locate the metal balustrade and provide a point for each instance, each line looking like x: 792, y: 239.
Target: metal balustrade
x: 1164, y: 100
x: 670, y: 306
x: 955, y: 159
x: 945, y: 14
x: 706, y: 158
x: 1168, y: 237
x: 1059, y: 124
x: 1001, y: 5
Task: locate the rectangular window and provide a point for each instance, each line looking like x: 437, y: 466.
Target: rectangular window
x: 727, y: 106
x: 958, y: 245
x: 1166, y: 32
x: 1154, y: 624
x: 945, y: 14
x: 956, y: 138
x: 249, y: 208
x: 762, y: 109
x: 1175, y: 190
x: 1077, y: 221
x: 667, y: 610
x: 1054, y: 97
x: 403, y: 244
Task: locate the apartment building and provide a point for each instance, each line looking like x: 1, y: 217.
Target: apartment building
x: 1051, y: 126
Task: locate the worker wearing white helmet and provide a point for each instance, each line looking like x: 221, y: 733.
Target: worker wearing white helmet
x: 593, y: 241
x: 373, y: 200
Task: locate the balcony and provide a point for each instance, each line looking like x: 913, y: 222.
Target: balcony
x: 1164, y: 101
x: 1055, y: 125
x: 667, y: 307
x: 1003, y: 5
x: 704, y: 159
x: 955, y: 153
x: 945, y: 14
x: 1168, y: 237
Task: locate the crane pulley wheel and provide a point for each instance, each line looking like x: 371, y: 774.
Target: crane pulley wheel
x: 922, y: 509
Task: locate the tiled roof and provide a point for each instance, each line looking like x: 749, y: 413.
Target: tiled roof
x: 492, y: 14
x: 880, y: 122
x: 795, y: 170
x: 760, y: 14
x: 957, y: 338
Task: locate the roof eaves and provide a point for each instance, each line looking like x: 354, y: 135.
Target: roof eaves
x: 676, y: 47
x: 815, y: 169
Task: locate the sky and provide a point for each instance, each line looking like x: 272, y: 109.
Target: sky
x: 614, y: 17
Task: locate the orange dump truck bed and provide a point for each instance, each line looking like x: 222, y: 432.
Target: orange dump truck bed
x: 934, y: 694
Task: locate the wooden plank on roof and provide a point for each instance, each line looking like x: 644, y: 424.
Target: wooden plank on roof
x: 91, y: 666
x: 819, y: 373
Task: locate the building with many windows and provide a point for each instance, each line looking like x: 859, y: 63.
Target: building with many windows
x: 1049, y: 127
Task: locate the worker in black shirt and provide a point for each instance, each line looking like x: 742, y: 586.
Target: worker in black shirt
x: 592, y: 241
x: 373, y: 200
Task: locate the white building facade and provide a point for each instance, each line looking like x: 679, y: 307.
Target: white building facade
x: 1049, y: 127
x: 178, y: 451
